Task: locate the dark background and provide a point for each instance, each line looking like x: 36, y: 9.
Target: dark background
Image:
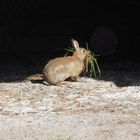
x: 32, y: 29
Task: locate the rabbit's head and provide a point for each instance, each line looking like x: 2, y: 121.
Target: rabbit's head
x: 80, y: 53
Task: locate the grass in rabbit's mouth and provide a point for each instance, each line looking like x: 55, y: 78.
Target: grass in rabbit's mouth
x: 91, y: 64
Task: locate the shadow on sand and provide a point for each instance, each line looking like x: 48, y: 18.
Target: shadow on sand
x: 18, y: 68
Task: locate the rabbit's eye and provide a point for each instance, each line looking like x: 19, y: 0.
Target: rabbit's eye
x: 84, y: 51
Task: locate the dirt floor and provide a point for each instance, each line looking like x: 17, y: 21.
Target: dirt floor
x: 104, y: 109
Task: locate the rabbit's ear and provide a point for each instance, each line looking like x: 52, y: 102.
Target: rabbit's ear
x: 75, y: 44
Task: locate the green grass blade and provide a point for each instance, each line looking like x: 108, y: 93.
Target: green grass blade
x: 69, y: 50
x: 93, y: 70
x: 98, y: 68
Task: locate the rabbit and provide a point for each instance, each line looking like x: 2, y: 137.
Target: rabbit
x: 62, y: 68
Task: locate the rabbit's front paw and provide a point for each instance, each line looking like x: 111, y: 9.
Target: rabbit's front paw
x: 76, y: 79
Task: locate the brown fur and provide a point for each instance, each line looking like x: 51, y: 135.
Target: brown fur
x: 59, y: 69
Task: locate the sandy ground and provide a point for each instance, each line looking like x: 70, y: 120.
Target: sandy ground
x: 105, y: 109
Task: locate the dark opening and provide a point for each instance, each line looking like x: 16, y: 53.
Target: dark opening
x: 32, y: 32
